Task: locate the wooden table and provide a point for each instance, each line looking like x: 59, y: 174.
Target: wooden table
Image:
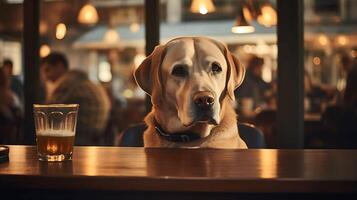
x: 112, y: 173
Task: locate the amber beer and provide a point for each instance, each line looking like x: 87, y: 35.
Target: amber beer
x: 55, y: 143
x: 55, y: 131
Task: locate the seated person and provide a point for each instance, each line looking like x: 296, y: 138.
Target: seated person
x: 254, y: 91
x: 70, y: 86
x: 10, y: 111
x: 15, y: 83
x: 339, y: 122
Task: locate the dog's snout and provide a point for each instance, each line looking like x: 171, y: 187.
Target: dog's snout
x: 204, y: 100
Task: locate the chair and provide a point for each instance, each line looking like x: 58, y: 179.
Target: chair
x: 266, y: 122
x: 251, y: 135
x: 133, y: 136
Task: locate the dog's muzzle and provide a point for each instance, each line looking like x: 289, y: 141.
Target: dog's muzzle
x: 204, y: 102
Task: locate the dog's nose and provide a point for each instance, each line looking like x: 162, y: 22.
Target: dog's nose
x: 203, y: 100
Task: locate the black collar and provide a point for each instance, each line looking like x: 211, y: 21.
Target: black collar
x: 175, y: 137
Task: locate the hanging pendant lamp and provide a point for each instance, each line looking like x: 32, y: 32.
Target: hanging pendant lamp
x: 202, y: 6
x: 241, y: 25
x: 88, y: 15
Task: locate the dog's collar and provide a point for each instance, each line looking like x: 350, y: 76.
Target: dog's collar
x: 175, y: 137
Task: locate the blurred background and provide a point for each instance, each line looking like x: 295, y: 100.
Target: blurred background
x: 106, y: 40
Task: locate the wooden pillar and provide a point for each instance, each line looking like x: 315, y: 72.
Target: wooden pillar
x: 31, y: 13
x: 290, y: 114
x: 152, y: 31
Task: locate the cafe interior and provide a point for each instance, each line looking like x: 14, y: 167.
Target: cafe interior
x: 296, y: 107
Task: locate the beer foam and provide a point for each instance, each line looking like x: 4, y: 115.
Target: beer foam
x: 56, y: 133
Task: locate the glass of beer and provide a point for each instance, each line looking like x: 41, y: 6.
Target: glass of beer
x: 55, y: 130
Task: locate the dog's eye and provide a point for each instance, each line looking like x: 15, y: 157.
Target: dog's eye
x: 216, y: 68
x: 180, y: 71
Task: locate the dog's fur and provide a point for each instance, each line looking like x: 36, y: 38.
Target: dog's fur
x: 172, y: 97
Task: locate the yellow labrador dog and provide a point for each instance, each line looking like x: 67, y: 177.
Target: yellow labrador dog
x: 191, y: 81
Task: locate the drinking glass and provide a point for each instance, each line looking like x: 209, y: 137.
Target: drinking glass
x: 55, y: 130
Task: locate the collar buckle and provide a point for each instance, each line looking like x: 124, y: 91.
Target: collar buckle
x: 185, y: 138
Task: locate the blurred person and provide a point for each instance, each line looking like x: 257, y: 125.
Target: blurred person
x: 254, y: 91
x: 350, y: 94
x: 71, y: 86
x: 312, y: 95
x: 10, y: 111
x: 317, y: 97
x: 346, y: 65
x: 15, y: 83
x: 339, y: 122
x: 308, y: 86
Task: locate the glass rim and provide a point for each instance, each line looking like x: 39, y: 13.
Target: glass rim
x: 55, y: 105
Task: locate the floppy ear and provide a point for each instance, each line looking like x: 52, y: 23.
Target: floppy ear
x: 235, y: 73
x: 148, y: 74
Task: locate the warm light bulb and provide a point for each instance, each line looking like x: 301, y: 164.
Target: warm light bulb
x: 268, y: 17
x: 104, y: 73
x: 323, y: 40
x: 202, y: 6
x: 44, y: 50
x: 243, y: 29
x: 316, y: 60
x: 134, y: 27
x: 203, y: 10
x: 61, y: 31
x: 88, y: 15
x: 342, y: 40
x: 111, y: 36
x: 247, y: 15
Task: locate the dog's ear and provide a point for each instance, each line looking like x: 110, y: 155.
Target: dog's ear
x: 235, y: 73
x: 148, y: 74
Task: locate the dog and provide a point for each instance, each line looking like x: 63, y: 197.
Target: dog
x: 191, y: 81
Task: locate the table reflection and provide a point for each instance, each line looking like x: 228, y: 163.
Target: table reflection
x: 268, y: 160
x: 56, y: 168
x: 90, y: 163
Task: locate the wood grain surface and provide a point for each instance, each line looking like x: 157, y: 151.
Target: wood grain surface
x: 190, y: 170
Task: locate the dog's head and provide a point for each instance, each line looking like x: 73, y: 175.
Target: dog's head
x: 192, y: 75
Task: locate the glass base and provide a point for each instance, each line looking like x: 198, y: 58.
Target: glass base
x: 55, y: 158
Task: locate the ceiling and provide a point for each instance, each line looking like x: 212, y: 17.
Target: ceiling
x: 59, y: 11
